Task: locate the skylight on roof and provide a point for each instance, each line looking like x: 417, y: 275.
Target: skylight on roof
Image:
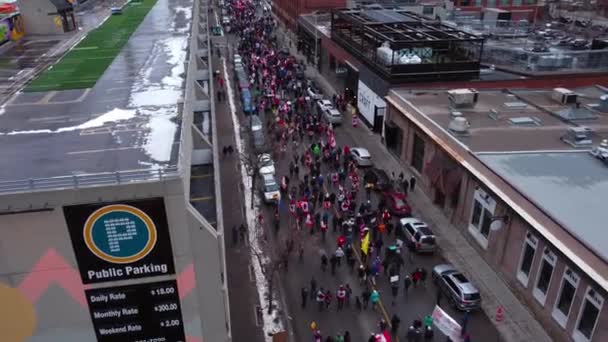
x: 525, y: 121
x: 516, y: 105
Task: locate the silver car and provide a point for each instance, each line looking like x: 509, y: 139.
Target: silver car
x: 419, y: 234
x: 256, y: 123
x: 238, y: 60
x: 361, y: 156
x: 270, y: 189
x: 461, y: 293
x: 332, y: 116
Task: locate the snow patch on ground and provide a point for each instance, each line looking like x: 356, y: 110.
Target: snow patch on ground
x: 272, y: 322
x: 176, y: 50
x: 155, y: 97
x: 160, y: 127
x: 187, y: 11
x: 115, y: 115
x: 158, y: 100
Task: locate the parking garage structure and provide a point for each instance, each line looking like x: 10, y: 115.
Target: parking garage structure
x: 109, y: 224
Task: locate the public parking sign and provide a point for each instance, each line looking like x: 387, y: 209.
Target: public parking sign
x: 116, y: 241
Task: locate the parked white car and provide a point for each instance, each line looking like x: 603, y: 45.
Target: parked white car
x: 256, y: 123
x: 324, y: 104
x: 314, y: 93
x: 238, y: 60
x: 266, y: 164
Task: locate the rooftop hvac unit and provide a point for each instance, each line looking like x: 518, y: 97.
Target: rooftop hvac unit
x: 385, y: 54
x: 460, y: 98
x: 601, y: 151
x: 564, y: 96
x: 459, y: 125
x: 578, y: 137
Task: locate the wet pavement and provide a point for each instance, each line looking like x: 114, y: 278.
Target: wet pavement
x: 19, y: 61
x: 142, y: 85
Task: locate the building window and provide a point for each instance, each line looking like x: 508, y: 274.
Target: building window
x: 526, y: 258
x: 477, y: 210
x: 588, y: 316
x: 565, y: 297
x: 481, y: 217
x: 505, y: 2
x: 428, y: 10
x: 545, y: 274
x: 418, y: 153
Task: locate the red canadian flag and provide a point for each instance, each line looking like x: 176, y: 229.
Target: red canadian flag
x: 326, y: 204
x: 304, y: 206
x: 345, y: 205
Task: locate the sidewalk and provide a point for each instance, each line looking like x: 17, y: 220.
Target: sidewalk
x: 241, y: 286
x: 518, y: 324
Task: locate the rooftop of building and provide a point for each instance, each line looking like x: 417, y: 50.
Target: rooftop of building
x: 570, y: 187
x: 401, y: 26
x: 129, y: 121
x: 518, y: 143
x: 515, y: 120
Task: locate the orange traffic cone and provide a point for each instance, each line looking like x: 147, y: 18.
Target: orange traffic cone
x: 499, y: 314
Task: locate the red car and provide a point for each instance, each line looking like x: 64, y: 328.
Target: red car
x: 397, y: 204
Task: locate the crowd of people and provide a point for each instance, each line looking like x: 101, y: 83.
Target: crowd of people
x: 324, y: 190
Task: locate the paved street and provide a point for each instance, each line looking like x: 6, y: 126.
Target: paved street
x: 518, y: 323
x: 418, y: 303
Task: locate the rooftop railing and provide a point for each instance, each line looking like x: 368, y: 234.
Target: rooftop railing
x: 89, y: 180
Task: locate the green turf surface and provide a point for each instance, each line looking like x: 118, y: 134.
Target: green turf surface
x: 82, y: 66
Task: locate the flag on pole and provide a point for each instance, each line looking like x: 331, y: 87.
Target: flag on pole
x: 365, y: 244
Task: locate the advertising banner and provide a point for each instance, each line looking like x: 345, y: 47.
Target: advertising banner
x: 117, y: 241
x: 367, y: 101
x: 446, y: 324
x: 5, y: 30
x: 143, y: 312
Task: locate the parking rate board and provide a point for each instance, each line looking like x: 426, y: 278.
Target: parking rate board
x: 144, y: 312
